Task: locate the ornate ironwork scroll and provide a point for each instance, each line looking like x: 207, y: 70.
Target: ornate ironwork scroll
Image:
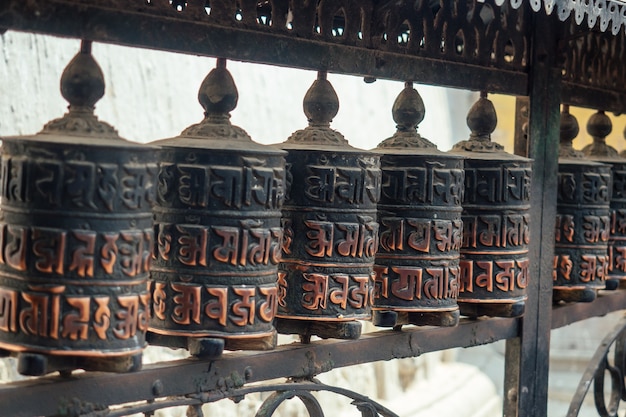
x: 302, y: 390
x: 608, y: 360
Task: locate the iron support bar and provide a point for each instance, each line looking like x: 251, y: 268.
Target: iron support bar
x: 530, y: 354
x: 606, y: 302
x: 232, y: 370
x: 125, y: 27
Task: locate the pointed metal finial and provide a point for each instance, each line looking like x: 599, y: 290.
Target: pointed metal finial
x: 482, y: 121
x: 218, y: 96
x: 408, y: 112
x: 599, y: 126
x: 82, y: 85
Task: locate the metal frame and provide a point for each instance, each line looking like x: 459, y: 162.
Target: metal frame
x: 547, y: 67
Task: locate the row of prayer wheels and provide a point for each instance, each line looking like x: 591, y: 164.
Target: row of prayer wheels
x: 210, y: 241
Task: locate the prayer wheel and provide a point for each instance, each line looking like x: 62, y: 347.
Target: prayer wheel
x: 582, y: 230
x: 331, y: 232
x: 496, y: 201
x: 218, y: 232
x: 76, y: 236
x: 419, y: 212
x: 599, y: 126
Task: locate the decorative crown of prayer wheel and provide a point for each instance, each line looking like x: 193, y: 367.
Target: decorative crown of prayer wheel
x: 419, y: 212
x: 496, y: 201
x: 218, y: 232
x: 582, y: 226
x: 599, y: 127
x: 331, y: 234
x: 76, y: 236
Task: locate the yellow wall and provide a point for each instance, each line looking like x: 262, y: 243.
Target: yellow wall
x: 504, y: 134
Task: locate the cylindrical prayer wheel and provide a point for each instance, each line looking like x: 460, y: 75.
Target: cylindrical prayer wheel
x: 599, y: 127
x: 583, y: 220
x: 496, y: 201
x: 218, y: 234
x: 419, y: 212
x: 75, y: 238
x: 331, y: 233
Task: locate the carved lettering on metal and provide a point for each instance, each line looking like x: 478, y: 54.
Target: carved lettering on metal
x: 496, y: 230
x: 583, y: 226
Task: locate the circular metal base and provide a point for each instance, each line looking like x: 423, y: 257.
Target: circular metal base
x: 38, y: 364
x: 388, y: 318
x: 574, y: 295
x: 213, y: 347
x: 512, y: 309
x: 323, y: 329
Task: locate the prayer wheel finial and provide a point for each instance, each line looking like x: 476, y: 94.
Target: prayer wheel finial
x: 482, y: 121
x: 218, y: 93
x: 82, y: 82
x: 599, y: 126
x: 320, y: 103
x: 320, y: 106
x: 568, y: 131
x: 408, y: 112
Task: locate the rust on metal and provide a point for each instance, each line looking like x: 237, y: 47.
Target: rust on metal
x: 419, y: 212
x: 218, y: 232
x: 496, y: 201
x: 76, y: 237
x: 582, y: 231
x: 331, y: 232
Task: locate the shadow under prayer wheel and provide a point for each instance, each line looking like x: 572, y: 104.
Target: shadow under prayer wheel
x: 496, y: 201
x: 218, y: 232
x: 582, y: 229
x: 75, y: 238
x: 419, y: 212
x: 331, y: 234
x: 599, y: 127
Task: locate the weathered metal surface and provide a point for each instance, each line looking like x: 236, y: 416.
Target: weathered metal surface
x: 331, y: 232
x: 605, y: 303
x: 419, y: 212
x: 599, y: 127
x: 496, y: 201
x: 339, y: 46
x: 592, y: 68
x: 217, y: 226
x: 582, y: 229
x: 76, y: 234
x: 218, y: 377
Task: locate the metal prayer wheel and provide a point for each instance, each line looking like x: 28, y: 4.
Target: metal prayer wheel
x: 218, y: 232
x: 331, y: 232
x: 496, y: 201
x: 599, y: 126
x: 75, y: 238
x: 582, y: 229
x: 419, y: 212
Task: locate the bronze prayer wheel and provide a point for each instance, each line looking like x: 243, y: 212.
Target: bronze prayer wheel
x: 582, y: 228
x: 218, y: 232
x: 419, y: 212
x: 599, y: 126
x: 496, y: 201
x: 331, y: 232
x: 76, y: 236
